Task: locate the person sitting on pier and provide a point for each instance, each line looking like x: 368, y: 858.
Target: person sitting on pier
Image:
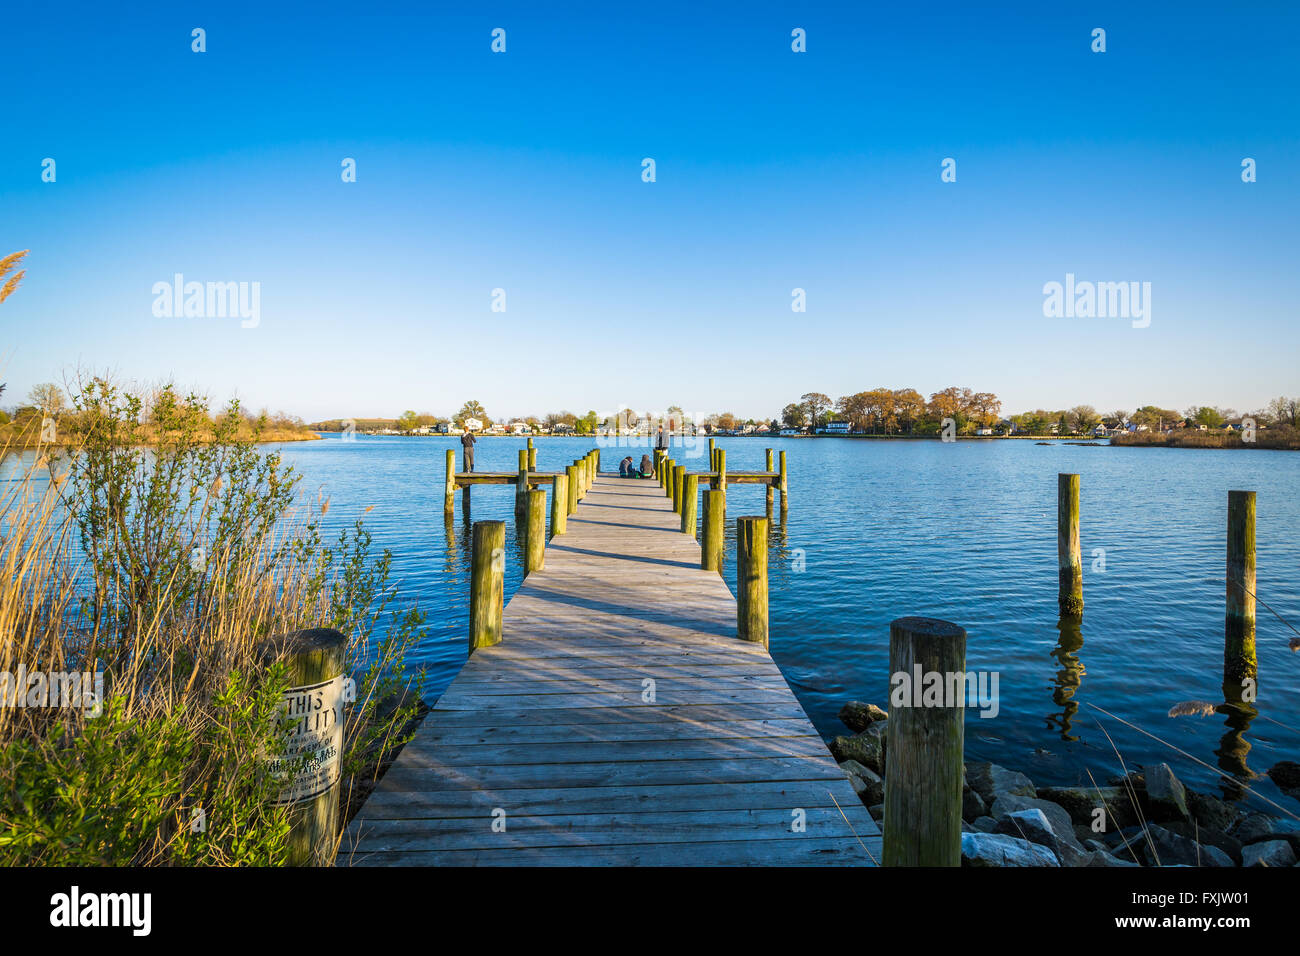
x: 625, y: 469
x: 647, y: 467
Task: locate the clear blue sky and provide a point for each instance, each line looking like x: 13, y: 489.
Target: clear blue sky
x: 775, y: 170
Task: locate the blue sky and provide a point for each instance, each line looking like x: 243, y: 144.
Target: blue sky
x: 775, y: 170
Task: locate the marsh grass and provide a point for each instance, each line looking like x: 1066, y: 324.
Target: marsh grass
x: 164, y: 569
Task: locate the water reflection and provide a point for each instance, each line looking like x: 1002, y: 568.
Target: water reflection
x: 1069, y: 677
x: 1233, y: 748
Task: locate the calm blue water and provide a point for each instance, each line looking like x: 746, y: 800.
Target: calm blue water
x: 963, y: 531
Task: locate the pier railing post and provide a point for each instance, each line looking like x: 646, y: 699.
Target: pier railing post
x: 711, y: 541
x: 690, y: 492
x: 571, y: 471
x: 449, y: 490
x: 751, y: 579
x: 669, y: 465
x: 535, y: 552
x: 924, y: 744
x: 785, y: 502
x: 1068, y: 553
x: 679, y: 481
x: 486, y: 583
x: 559, y: 504
x: 317, y: 660
x: 1239, y: 609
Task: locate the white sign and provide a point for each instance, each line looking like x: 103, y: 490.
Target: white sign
x: 316, y: 736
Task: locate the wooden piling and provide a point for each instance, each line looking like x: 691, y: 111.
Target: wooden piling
x: 486, y: 583
x: 1239, y: 609
x: 316, y: 659
x: 751, y: 579
x: 722, y: 471
x: 924, y: 744
x: 782, y: 485
x: 535, y: 552
x: 532, y: 456
x: 559, y: 504
x: 679, y: 482
x: 521, y: 484
x: 1068, y: 553
x: 571, y: 472
x: 669, y: 473
x: 711, y: 541
x: 690, y: 492
x: 449, y: 491
x: 712, y: 446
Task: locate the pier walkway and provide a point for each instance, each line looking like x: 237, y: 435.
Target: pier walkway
x: 620, y: 721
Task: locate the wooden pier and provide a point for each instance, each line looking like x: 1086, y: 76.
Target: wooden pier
x: 620, y: 720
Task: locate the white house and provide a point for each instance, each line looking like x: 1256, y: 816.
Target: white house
x: 473, y: 425
x: 837, y: 427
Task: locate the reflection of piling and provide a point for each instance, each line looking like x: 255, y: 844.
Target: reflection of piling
x: 1234, y: 748
x: 1068, y: 553
x: 1069, y: 678
x: 923, y: 758
x: 1239, y: 617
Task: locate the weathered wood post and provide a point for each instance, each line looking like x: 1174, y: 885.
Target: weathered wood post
x: 559, y: 504
x: 1068, y: 554
x: 1239, y: 618
x: 577, y: 471
x: 690, y: 492
x: 712, y: 446
x: 722, y: 472
x: 785, y: 503
x: 532, y: 456
x: 571, y: 471
x: 669, y: 473
x: 924, y: 744
x: 751, y: 579
x: 535, y: 555
x: 521, y: 484
x: 711, y: 541
x: 486, y: 583
x: 449, y: 490
x: 769, y: 467
x: 658, y: 459
x: 679, y: 483
x: 312, y: 709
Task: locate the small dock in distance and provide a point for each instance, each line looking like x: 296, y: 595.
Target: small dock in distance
x: 619, y: 721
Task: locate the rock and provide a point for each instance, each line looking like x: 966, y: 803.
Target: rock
x: 996, y: 849
x: 1101, y: 855
x: 989, y: 780
x: 866, y: 782
x: 1286, y: 774
x: 1253, y: 828
x: 972, y: 806
x: 877, y: 812
x: 984, y: 824
x: 1209, y: 836
x: 858, y: 716
x: 1165, y: 848
x: 867, y: 748
x: 1057, y: 818
x: 1268, y: 853
x: 1166, y: 796
x: 1032, y: 825
x: 1210, y: 811
x: 1081, y: 802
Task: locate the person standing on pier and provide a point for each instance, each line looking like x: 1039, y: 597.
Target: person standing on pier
x: 660, y: 443
x: 467, y: 443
